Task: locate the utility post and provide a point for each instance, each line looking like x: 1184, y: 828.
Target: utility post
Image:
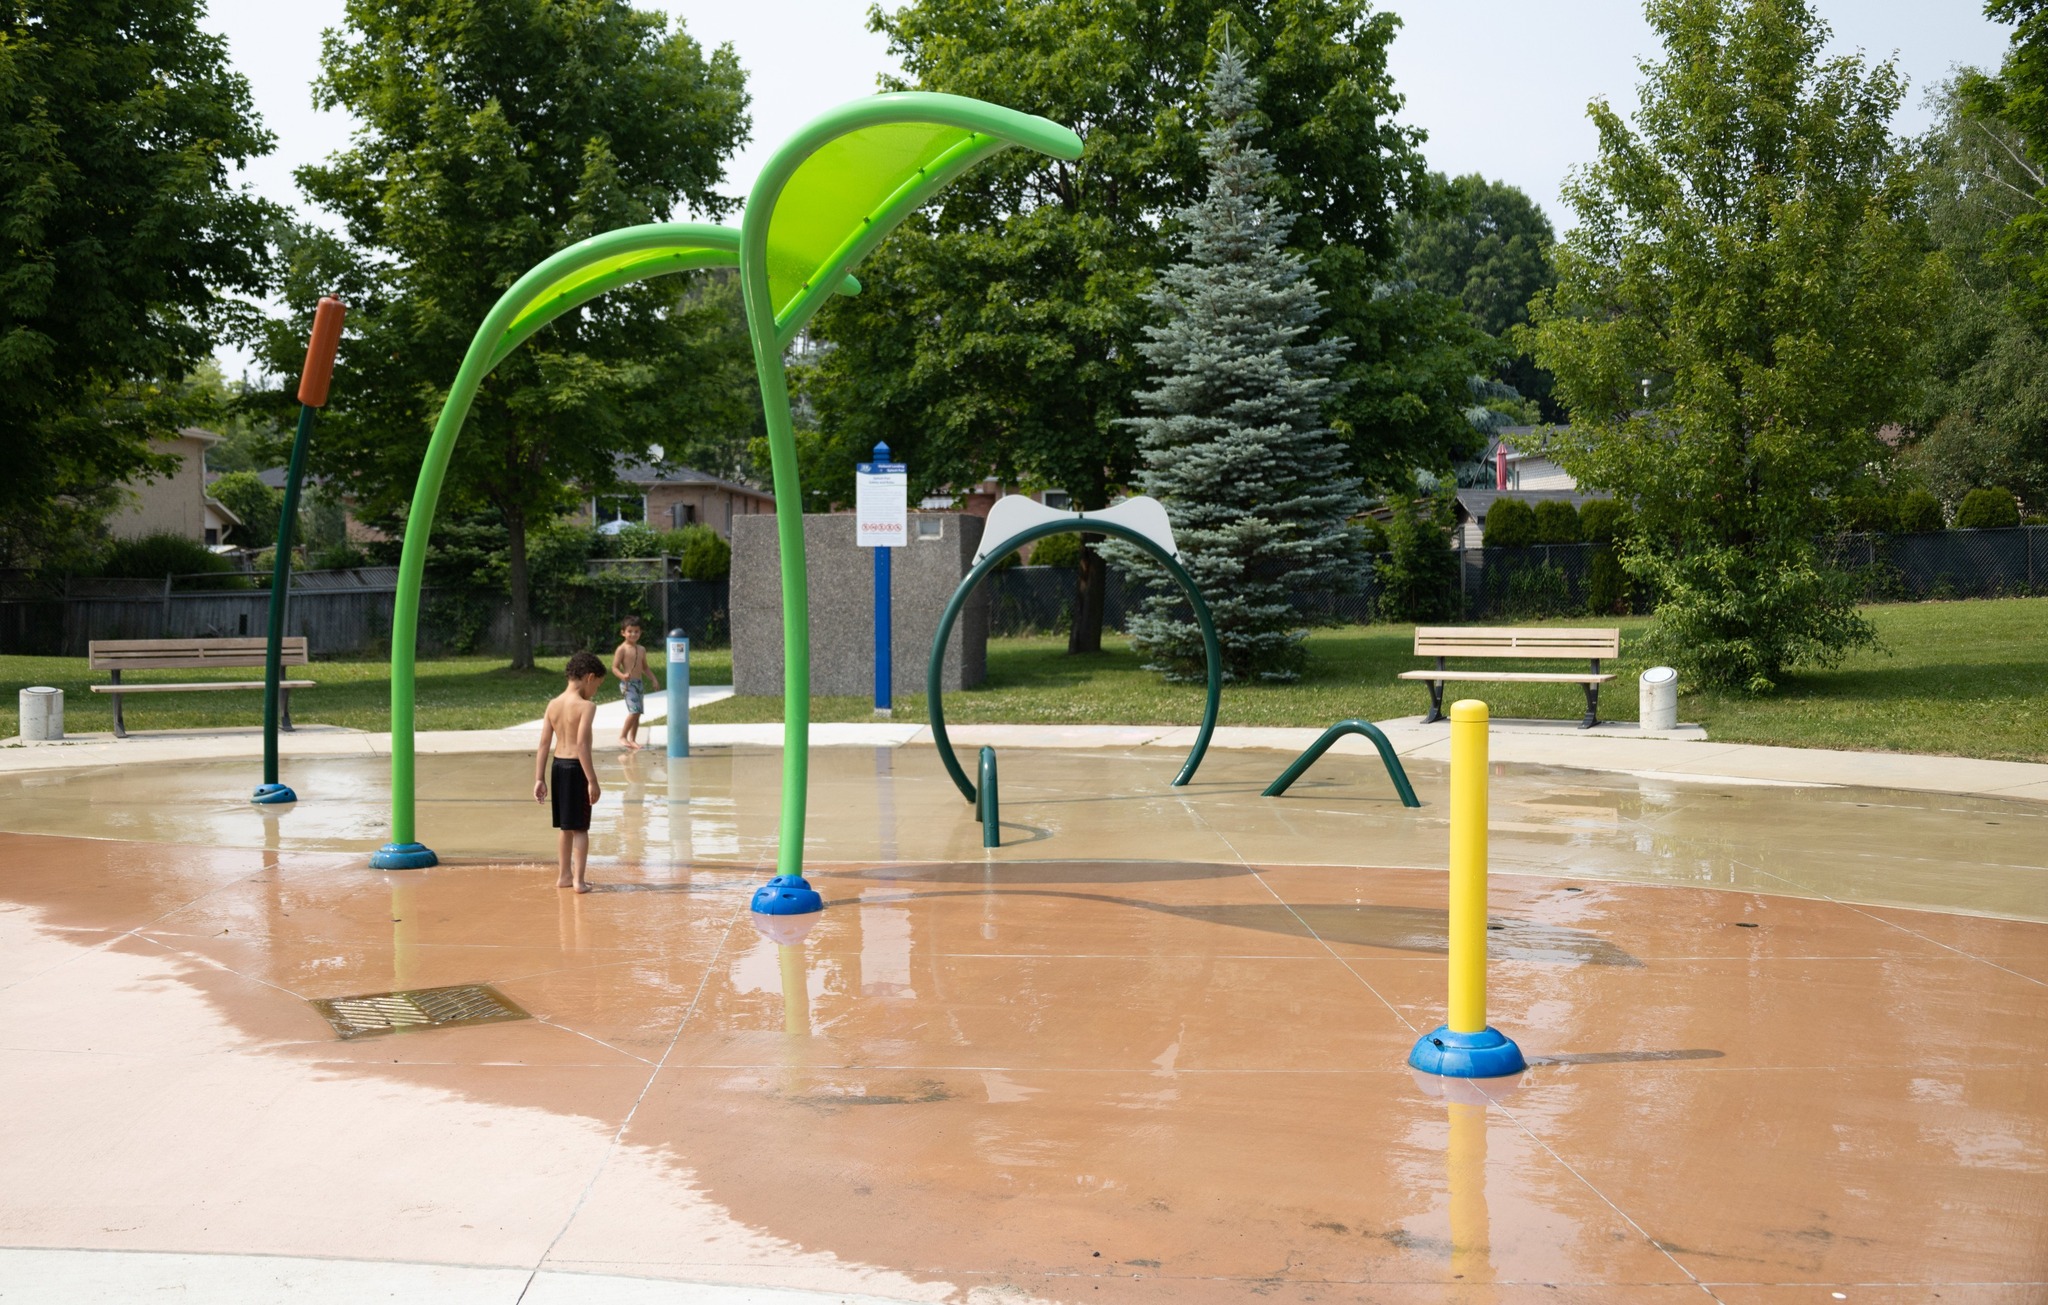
x: 881, y: 511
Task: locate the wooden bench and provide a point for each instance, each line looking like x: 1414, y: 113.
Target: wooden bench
x: 117, y: 655
x: 1495, y: 641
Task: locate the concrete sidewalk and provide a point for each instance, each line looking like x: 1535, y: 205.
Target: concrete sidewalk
x: 1617, y: 748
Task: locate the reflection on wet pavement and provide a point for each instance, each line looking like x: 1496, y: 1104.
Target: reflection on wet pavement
x: 1116, y: 1080
x: 1156, y: 1056
x: 1870, y: 846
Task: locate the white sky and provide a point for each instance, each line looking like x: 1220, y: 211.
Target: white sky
x: 1501, y: 86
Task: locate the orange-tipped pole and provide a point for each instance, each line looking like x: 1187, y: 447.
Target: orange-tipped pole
x: 319, y: 370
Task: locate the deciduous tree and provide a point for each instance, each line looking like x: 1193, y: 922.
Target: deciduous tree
x: 1751, y: 248
x: 492, y: 136
x: 125, y: 238
x: 999, y: 335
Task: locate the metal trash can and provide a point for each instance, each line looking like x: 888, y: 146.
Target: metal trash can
x: 1657, y: 699
x: 42, y: 715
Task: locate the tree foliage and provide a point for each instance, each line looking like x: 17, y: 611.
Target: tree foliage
x: 120, y: 123
x: 998, y: 335
x: 1487, y: 246
x: 1510, y: 523
x: 1235, y: 443
x: 1983, y: 417
x: 490, y: 138
x: 1752, y: 248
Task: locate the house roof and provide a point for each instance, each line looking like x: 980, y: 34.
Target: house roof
x: 195, y: 433
x: 644, y: 474
x: 1475, y: 502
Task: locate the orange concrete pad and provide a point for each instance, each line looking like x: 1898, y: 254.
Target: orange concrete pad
x: 1080, y: 1080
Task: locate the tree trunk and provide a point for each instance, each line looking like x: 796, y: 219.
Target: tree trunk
x: 522, y: 592
x: 1091, y: 586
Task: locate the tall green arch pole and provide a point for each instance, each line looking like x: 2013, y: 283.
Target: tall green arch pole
x: 823, y: 202
x: 1212, y: 648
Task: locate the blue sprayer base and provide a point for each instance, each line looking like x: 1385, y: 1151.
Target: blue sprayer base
x: 1467, y: 1055
x: 403, y: 856
x: 787, y: 895
x: 271, y: 794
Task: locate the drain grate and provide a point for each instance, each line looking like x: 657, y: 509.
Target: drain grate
x: 416, y: 1008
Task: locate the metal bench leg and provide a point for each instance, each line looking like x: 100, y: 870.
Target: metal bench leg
x: 1436, y: 702
x: 1592, y: 707
x: 120, y: 726
x: 284, y: 697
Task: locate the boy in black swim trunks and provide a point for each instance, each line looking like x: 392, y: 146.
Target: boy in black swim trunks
x: 568, y: 722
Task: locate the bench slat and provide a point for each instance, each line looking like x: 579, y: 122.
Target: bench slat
x: 1488, y: 641
x: 199, y: 687
x: 1523, y: 677
x: 190, y: 654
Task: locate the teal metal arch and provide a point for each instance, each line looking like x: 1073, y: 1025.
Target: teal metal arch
x: 1212, y: 650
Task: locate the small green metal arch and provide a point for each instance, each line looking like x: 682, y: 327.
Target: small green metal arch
x: 1299, y: 766
x: 1212, y: 649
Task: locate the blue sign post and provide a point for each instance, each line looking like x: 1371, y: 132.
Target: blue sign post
x: 881, y: 522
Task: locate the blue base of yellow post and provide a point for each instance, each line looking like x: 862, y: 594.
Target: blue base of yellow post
x: 270, y: 794
x: 1489, y: 1054
x: 787, y: 895
x: 403, y: 856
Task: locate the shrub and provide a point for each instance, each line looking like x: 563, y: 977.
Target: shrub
x: 1603, y: 521
x: 1510, y: 523
x: 152, y: 557
x: 1419, y: 582
x: 1871, y: 514
x: 256, y: 504
x: 1987, y: 509
x: 2034, y: 521
x: 704, y: 554
x: 1372, y: 536
x: 1058, y: 550
x: 341, y: 556
x: 1919, y: 513
x: 1557, y: 522
x: 1606, y: 585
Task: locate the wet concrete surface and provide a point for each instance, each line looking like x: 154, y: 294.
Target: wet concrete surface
x: 1153, y: 1054
x: 1870, y: 846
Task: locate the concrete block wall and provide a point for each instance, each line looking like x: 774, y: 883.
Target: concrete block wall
x: 925, y: 572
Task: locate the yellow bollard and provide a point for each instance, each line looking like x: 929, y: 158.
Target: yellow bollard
x: 1466, y: 1046
x: 1468, y: 867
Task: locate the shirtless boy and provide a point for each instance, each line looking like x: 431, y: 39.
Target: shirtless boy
x: 565, y: 731
x: 629, y: 663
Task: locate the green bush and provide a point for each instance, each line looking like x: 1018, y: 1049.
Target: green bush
x: 2034, y: 521
x: 1372, y: 536
x: 1870, y: 514
x: 1557, y: 522
x: 1606, y: 584
x: 256, y: 504
x: 339, y: 556
x: 1987, y: 509
x: 1058, y: 550
x: 152, y: 557
x: 1603, y: 521
x: 1510, y: 523
x: 1919, y: 513
x: 703, y: 554
x: 1419, y: 582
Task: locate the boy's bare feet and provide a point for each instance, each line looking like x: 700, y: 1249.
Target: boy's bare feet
x: 564, y: 882
x: 583, y: 887
x: 630, y: 745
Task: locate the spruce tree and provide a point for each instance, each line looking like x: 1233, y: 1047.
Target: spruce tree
x: 1236, y: 445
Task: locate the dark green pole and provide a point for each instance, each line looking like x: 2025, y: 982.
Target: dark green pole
x: 313, y: 382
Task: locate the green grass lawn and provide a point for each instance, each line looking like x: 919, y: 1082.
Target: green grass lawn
x: 1968, y: 678
x: 456, y: 693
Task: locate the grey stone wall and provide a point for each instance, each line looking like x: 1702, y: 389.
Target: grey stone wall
x: 924, y: 574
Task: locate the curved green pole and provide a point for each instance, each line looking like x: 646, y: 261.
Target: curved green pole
x: 1315, y: 750
x: 1211, y: 649
x: 716, y: 245
x: 773, y: 329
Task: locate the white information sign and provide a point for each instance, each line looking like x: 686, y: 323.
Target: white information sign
x: 881, y: 504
